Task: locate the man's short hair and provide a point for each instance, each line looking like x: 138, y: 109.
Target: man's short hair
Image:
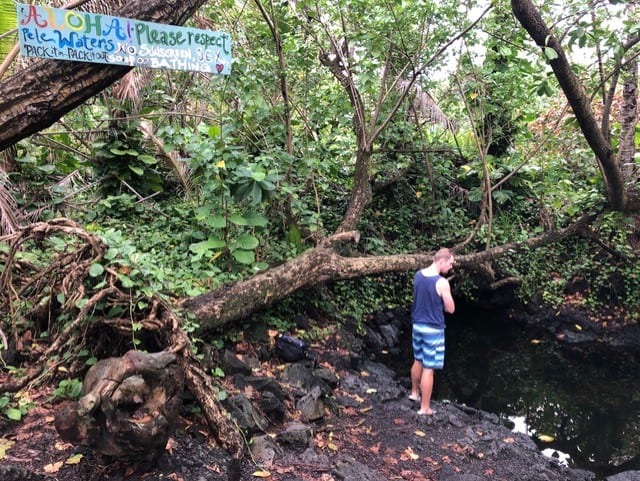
x: 442, y: 254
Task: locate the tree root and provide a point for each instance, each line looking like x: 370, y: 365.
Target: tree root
x: 59, y: 283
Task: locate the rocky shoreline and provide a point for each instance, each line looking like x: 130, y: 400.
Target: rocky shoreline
x: 458, y: 443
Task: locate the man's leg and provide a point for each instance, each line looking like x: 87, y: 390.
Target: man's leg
x: 416, y: 376
x: 426, y: 386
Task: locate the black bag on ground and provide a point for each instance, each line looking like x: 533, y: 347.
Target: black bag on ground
x: 291, y: 348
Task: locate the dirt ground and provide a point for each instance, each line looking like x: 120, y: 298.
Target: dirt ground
x: 390, y: 440
x: 374, y: 434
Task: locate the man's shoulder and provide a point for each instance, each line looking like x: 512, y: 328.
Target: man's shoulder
x: 428, y: 272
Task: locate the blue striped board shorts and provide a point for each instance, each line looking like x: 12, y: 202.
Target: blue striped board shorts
x: 428, y: 346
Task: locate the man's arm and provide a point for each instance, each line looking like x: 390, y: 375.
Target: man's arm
x: 444, y: 289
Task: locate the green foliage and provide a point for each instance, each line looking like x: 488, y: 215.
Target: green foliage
x: 259, y: 201
x: 280, y: 318
x: 124, y: 163
x: 68, y: 389
x: 154, y: 257
x: 358, y: 298
x: 605, y: 277
x: 15, y: 407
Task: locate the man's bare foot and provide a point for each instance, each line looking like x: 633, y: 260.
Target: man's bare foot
x: 428, y: 412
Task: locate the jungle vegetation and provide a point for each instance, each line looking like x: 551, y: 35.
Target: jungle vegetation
x: 352, y: 138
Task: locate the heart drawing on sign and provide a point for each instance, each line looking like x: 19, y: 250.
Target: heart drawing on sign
x: 219, y: 67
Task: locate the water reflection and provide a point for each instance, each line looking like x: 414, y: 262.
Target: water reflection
x: 520, y: 425
x: 583, y: 405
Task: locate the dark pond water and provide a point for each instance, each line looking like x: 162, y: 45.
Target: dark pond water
x: 585, y: 403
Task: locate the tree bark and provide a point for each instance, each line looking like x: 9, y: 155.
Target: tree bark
x: 628, y: 121
x: 530, y: 18
x: 629, y: 110
x: 36, y: 97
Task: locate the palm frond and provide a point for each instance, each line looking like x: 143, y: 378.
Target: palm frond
x: 425, y: 108
x: 171, y: 160
x: 129, y: 88
x: 8, y: 206
x: 74, y: 184
x: 8, y: 26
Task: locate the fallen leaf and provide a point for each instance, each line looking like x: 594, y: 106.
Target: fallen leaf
x: 215, y: 468
x: 53, y: 467
x: 535, y: 341
x: 332, y: 446
x: 5, y: 444
x: 372, y: 390
x: 545, y: 438
x: 61, y: 445
x: 390, y: 460
x: 509, y: 440
x: 365, y: 410
x: 75, y: 459
x: 422, y: 434
x: 457, y: 448
x: 262, y: 474
x: 171, y: 445
x: 410, y: 454
x: 578, y: 327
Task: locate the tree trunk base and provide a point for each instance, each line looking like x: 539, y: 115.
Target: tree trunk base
x: 127, y: 409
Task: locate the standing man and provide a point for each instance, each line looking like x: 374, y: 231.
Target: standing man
x: 431, y: 299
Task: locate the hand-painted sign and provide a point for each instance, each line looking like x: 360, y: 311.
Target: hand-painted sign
x: 60, y: 34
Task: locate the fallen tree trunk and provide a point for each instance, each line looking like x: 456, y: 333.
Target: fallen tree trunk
x: 324, y: 264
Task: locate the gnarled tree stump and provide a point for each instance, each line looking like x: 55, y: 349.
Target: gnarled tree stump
x: 127, y: 409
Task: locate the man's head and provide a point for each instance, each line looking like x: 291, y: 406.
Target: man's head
x: 443, y: 259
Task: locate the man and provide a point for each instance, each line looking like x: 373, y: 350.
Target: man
x: 431, y: 299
